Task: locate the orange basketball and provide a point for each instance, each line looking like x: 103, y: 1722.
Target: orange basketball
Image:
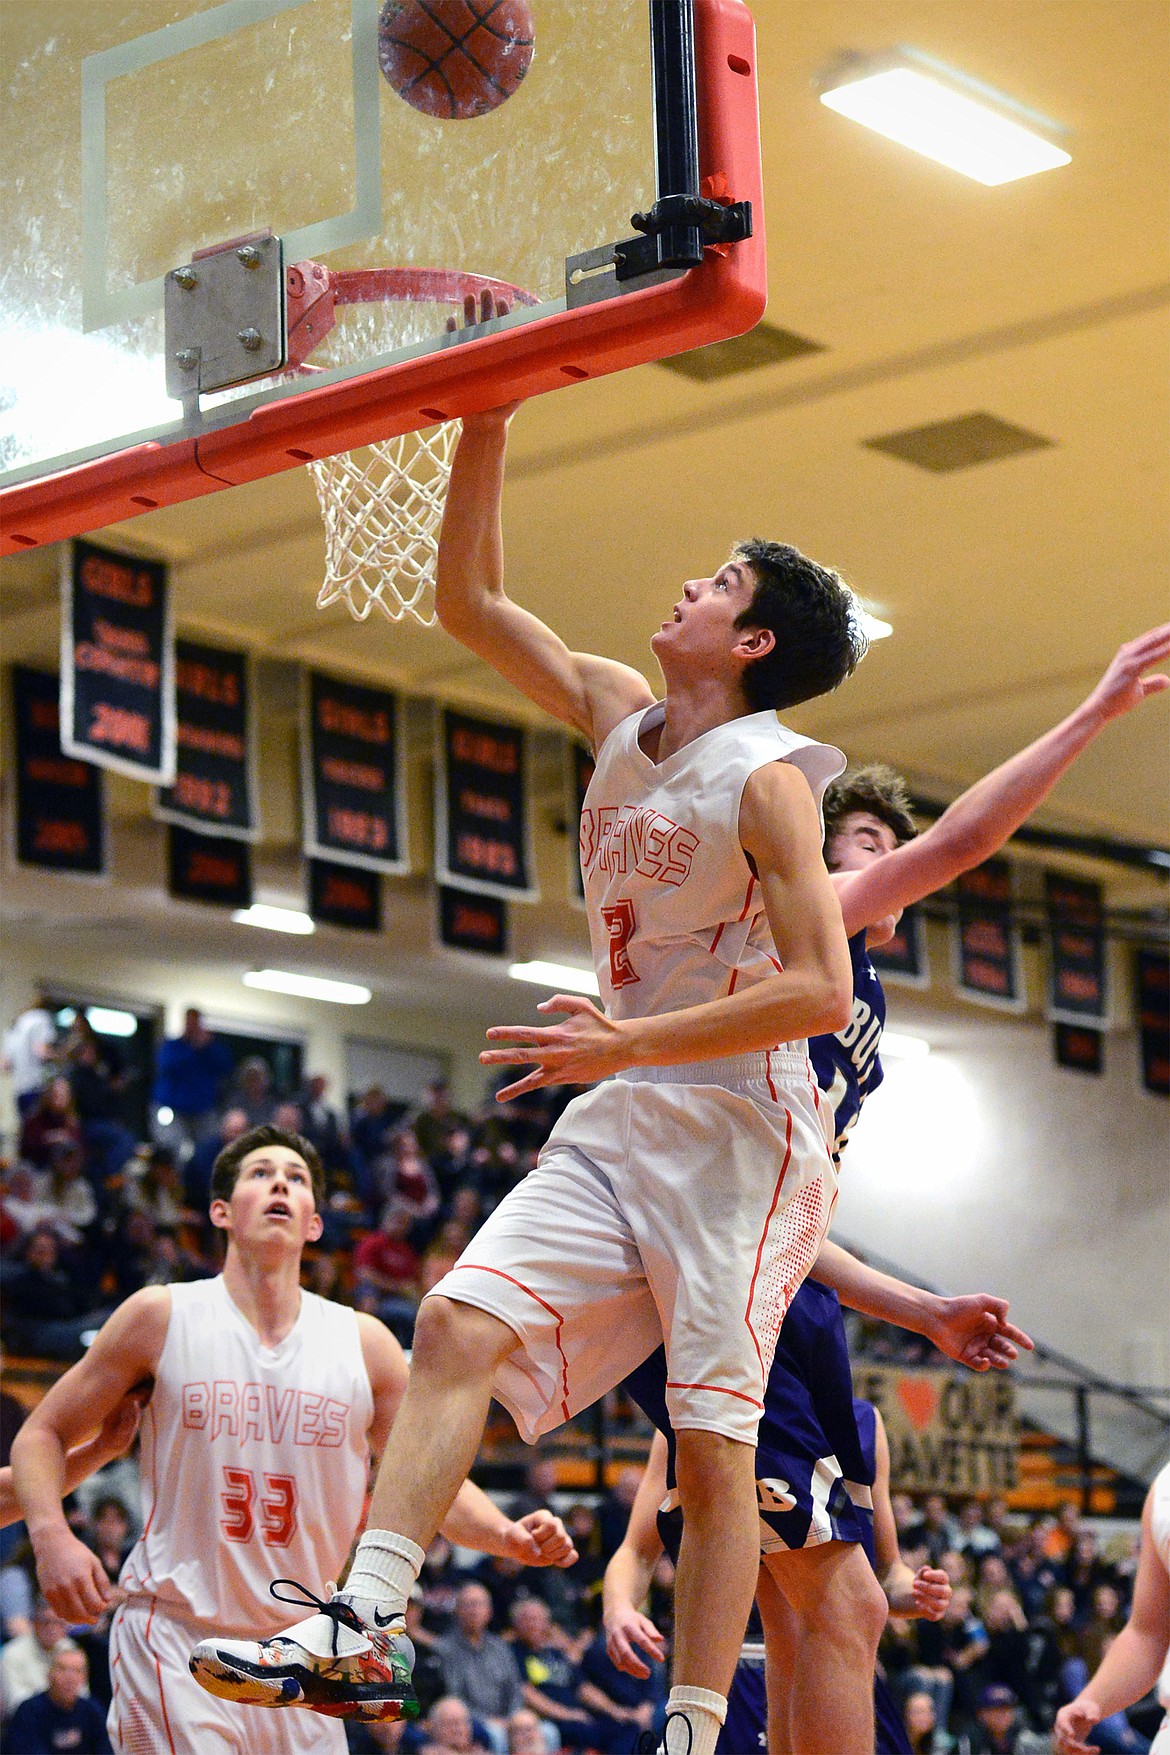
x: 455, y: 58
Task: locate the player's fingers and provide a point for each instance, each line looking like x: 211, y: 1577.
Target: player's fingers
x: 522, y: 1086
x: 625, y: 1657
x: 650, y: 1639
x: 1155, y: 685
x: 469, y: 309
x: 571, y: 1003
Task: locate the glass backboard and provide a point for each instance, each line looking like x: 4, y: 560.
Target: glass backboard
x: 142, y: 133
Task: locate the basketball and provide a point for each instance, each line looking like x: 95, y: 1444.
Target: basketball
x: 455, y: 58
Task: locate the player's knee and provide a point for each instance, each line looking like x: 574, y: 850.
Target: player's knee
x: 450, y: 1337
x: 709, y: 1465
x: 852, y: 1609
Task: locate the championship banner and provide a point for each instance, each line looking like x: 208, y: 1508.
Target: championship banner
x: 474, y: 923
x: 342, y: 895
x: 60, y: 802
x: 904, y: 959
x: 352, y: 775
x: 1076, y: 950
x: 986, y: 951
x: 579, y: 767
x: 208, y: 868
x: 1152, y: 969
x: 1078, y: 1047
x: 215, y: 787
x: 482, y: 830
x: 117, y: 663
x: 948, y: 1433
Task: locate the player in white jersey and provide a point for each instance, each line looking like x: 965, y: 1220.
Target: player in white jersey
x: 256, y: 1439
x: 1139, y: 1658
x: 684, y: 1199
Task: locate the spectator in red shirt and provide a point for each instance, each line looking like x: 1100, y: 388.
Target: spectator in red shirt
x: 386, y: 1274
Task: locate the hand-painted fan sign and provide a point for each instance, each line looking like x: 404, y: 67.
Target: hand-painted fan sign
x: 949, y: 1432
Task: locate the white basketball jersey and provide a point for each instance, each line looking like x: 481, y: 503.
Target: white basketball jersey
x: 1160, y: 1532
x: 675, y: 912
x: 254, y: 1460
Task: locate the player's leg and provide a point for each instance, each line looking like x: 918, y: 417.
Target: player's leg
x: 718, y: 1557
x: 156, y: 1704
x: 840, y: 1611
x: 781, y: 1644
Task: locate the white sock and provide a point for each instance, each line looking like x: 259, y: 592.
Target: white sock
x: 705, y: 1712
x: 384, y: 1570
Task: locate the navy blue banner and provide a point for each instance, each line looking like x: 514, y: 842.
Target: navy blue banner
x: 214, y: 789
x: 1079, y: 1048
x: 208, y: 868
x: 1076, y: 944
x: 473, y: 923
x: 481, y: 809
x: 987, y: 957
x: 904, y: 958
x: 344, y: 895
x: 1152, y: 971
x: 351, y: 775
x: 117, y: 663
x: 60, y: 802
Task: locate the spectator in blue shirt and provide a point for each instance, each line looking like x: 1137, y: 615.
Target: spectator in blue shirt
x: 189, y: 1074
x: 622, y: 1706
x: 63, y: 1717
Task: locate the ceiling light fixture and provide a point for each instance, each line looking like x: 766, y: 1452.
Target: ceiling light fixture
x: 308, y: 986
x: 946, y: 115
x: 275, y: 919
x: 110, y: 1020
x: 557, y: 975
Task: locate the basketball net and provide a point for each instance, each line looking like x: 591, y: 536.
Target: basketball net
x: 383, y: 506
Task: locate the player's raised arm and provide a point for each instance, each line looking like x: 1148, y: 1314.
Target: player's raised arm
x: 126, y: 1350
x: 588, y: 693
x: 988, y: 813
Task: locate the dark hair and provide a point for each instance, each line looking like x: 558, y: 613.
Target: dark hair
x: 226, y: 1169
x: 814, y: 616
x: 876, y: 790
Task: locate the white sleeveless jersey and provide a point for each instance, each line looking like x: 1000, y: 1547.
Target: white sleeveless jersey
x: 1160, y: 1533
x: 254, y: 1460
x: 675, y: 914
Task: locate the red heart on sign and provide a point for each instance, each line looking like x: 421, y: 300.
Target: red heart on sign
x: 919, y: 1399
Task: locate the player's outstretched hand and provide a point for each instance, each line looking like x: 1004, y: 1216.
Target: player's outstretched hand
x: 586, y: 1047
x: 974, y: 1331
x: 1073, y: 1724
x: 540, y: 1539
x: 72, y: 1578
x: 1123, y: 686
x: 625, y: 1631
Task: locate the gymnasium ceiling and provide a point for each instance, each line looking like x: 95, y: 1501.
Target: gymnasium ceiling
x: 1042, y: 303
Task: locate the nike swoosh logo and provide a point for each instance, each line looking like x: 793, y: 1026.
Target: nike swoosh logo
x: 381, y: 1620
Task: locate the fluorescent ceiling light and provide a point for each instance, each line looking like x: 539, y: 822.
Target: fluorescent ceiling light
x: 108, y: 1020
x: 895, y: 1046
x: 275, y: 919
x: 557, y: 975
x: 308, y: 986
x: 923, y: 107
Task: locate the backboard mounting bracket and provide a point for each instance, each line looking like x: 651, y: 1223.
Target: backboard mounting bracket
x: 224, y: 316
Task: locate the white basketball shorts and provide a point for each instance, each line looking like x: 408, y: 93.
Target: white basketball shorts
x: 683, y: 1204
x: 158, y: 1708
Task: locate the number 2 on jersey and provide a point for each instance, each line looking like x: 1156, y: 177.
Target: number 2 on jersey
x: 278, y: 1507
x: 620, y: 924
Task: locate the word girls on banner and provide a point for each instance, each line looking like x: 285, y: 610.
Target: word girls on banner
x: 207, y: 868
x: 482, y: 834
x: 948, y: 1433
x: 60, y: 802
x: 473, y: 923
x: 341, y: 895
x: 579, y: 772
x: 214, y: 787
x: 117, y: 663
x: 904, y: 958
x: 987, y: 955
x: 1153, y: 1010
x: 352, y: 775
x: 1076, y: 942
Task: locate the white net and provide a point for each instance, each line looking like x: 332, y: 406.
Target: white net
x: 382, y: 507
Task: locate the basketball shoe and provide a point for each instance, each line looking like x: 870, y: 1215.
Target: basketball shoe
x: 332, y: 1663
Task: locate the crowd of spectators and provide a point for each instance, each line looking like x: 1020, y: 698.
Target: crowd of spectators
x: 510, y: 1662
